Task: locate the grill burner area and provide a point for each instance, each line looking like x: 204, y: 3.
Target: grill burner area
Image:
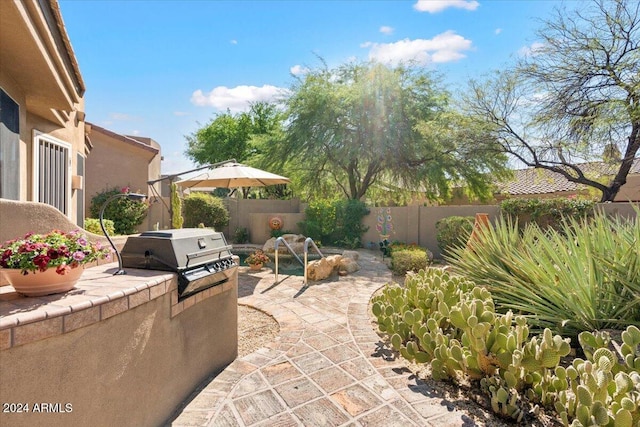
x: 201, y: 257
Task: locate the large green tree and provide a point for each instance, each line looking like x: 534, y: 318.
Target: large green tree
x: 574, y: 98
x: 228, y: 135
x: 363, y: 125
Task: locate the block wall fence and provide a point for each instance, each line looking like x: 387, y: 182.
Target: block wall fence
x: 411, y: 224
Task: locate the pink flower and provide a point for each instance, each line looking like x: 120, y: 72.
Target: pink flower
x: 78, y: 255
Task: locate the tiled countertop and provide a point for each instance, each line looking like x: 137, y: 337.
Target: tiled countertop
x: 97, y: 296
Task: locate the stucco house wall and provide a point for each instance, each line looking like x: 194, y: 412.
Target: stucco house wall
x: 40, y: 74
x: 121, y: 161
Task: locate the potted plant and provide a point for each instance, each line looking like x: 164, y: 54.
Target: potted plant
x: 42, y: 264
x: 257, y: 259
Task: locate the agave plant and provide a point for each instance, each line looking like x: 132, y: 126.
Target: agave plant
x: 583, y: 277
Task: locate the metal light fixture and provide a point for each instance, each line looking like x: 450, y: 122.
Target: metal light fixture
x: 130, y: 196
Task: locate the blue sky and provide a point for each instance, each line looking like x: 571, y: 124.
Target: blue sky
x: 162, y: 68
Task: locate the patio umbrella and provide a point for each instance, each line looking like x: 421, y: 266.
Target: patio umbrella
x: 233, y: 175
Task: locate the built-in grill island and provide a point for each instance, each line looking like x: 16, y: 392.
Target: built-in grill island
x: 201, y: 257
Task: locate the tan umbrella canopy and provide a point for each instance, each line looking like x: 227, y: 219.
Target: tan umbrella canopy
x: 233, y: 175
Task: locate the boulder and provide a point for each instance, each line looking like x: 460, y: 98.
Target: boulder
x: 354, y: 255
x: 334, y: 260
x: 296, y: 241
x: 348, y: 265
x: 319, y: 269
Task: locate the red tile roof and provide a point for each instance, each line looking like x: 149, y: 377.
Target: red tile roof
x: 542, y: 181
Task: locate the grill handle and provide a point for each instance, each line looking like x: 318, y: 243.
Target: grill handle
x: 199, y: 254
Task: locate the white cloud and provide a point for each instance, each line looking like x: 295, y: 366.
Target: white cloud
x: 237, y: 98
x: 498, y: 31
x: 233, y: 41
x: 297, y: 70
x: 445, y: 47
x: 175, y: 162
x: 435, y: 6
x: 135, y: 132
x: 531, y: 50
x: 386, y: 29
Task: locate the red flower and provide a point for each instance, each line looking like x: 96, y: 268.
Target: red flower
x: 41, y: 261
x: 63, y: 269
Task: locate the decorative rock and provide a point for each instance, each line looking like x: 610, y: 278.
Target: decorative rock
x: 334, y: 260
x: 296, y: 241
x: 319, y: 269
x: 348, y: 265
x: 354, y: 255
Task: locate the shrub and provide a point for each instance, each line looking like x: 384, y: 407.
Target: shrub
x: 349, y: 229
x: 320, y: 220
x: 408, y: 259
x: 126, y: 214
x: 241, y: 235
x: 201, y: 208
x: 453, y: 232
x: 176, y: 207
x: 546, y: 212
x: 92, y: 225
x: 337, y: 223
x: 583, y: 277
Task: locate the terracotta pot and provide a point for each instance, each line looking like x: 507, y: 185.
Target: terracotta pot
x: 42, y: 283
x: 255, y: 267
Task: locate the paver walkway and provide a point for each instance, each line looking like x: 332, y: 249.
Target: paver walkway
x: 326, y: 368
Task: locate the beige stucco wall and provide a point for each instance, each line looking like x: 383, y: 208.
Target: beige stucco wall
x: 259, y: 230
x: 133, y: 369
x: 37, y: 76
x: 411, y: 224
x: 117, y: 163
x: 417, y: 224
x: 630, y: 191
x: 241, y: 211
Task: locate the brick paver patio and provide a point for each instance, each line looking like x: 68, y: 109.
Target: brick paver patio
x: 326, y: 368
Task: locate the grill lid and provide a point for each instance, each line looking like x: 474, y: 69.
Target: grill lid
x: 175, y: 250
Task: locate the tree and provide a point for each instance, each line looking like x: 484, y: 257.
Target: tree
x: 362, y: 125
x: 228, y: 136
x: 574, y: 99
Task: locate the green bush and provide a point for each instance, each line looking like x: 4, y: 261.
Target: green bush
x: 92, y: 225
x: 453, y: 232
x: 201, y: 208
x: 241, y: 235
x: 176, y: 207
x: 584, y: 277
x: 126, y: 214
x: 349, y: 228
x: 409, y: 259
x: 546, y: 212
x: 337, y: 223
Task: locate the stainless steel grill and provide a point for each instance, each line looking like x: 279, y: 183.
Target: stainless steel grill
x: 201, y: 257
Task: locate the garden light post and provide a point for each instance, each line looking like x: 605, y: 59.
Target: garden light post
x: 130, y: 196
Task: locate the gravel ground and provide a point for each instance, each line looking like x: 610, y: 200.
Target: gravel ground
x: 255, y: 329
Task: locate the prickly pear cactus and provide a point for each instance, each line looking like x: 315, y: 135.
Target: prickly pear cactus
x: 450, y: 323
x: 504, y: 399
x: 602, y: 391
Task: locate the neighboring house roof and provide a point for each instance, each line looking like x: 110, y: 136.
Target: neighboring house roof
x: 126, y: 139
x: 543, y: 181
